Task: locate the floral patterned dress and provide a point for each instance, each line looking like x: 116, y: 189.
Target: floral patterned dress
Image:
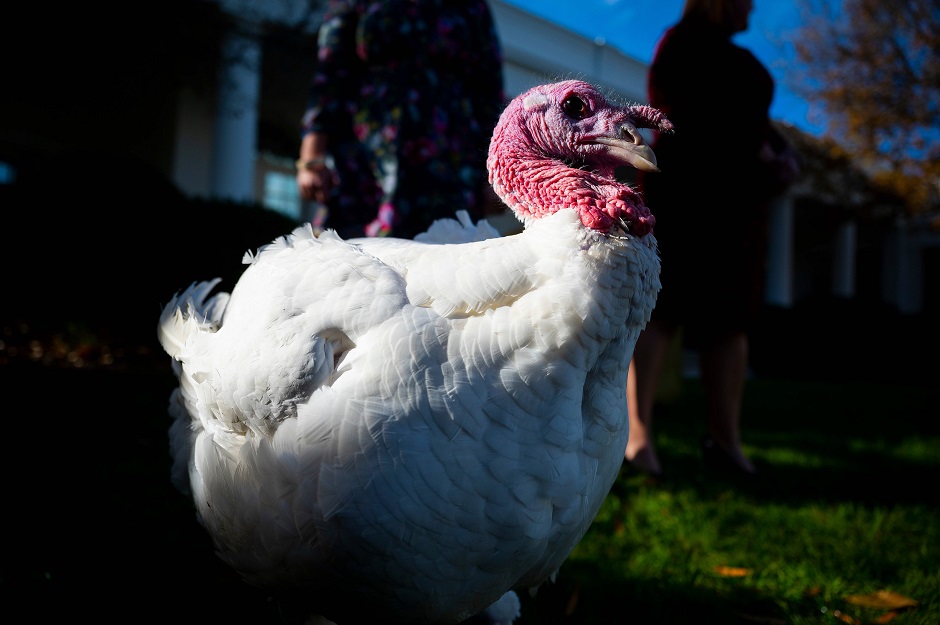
x: 408, y: 93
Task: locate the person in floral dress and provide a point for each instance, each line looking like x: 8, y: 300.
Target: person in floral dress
x: 400, y: 111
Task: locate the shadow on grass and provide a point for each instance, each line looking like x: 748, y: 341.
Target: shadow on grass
x: 611, y: 599
x: 92, y: 512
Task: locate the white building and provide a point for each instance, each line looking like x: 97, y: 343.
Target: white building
x: 210, y: 97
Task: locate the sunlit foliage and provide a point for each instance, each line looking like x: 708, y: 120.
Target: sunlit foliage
x: 873, y: 66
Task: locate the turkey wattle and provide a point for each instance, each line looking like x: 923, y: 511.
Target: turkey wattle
x: 408, y: 430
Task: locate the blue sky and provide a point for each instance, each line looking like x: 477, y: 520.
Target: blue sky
x: 634, y: 26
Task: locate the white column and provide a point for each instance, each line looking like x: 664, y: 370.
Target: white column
x: 778, y: 290
x: 843, y: 259
x: 236, y: 123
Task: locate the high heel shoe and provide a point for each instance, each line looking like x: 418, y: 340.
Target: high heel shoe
x: 720, y: 460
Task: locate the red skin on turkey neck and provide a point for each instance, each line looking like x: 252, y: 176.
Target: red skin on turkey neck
x: 598, y: 133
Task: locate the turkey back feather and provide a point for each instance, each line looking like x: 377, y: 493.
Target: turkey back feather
x: 408, y: 430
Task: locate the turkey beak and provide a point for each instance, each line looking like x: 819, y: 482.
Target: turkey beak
x: 631, y: 148
x: 639, y: 155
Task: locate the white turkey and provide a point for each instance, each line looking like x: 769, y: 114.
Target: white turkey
x: 405, y: 431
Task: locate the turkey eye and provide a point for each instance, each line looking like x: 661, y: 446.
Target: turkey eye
x: 575, y: 107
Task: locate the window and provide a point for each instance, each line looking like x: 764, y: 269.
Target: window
x: 281, y: 194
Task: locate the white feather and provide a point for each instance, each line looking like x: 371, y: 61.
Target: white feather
x: 407, y: 430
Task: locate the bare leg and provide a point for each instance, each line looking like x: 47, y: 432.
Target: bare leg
x: 642, y: 380
x: 724, y: 370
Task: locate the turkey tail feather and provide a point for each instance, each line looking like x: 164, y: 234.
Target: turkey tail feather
x: 190, y: 312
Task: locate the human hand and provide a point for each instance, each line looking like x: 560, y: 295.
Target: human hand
x: 315, y: 182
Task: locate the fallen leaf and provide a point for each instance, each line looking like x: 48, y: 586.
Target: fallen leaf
x: 732, y: 571
x: 882, y: 600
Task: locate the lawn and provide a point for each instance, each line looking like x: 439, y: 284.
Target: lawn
x: 844, y: 514
x: 842, y: 526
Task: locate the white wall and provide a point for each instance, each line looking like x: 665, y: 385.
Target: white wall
x: 536, y: 51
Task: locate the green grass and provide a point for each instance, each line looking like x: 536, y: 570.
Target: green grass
x: 846, y: 505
